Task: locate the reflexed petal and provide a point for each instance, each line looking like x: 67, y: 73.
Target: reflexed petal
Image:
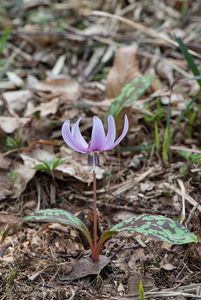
x: 111, y: 134
x: 70, y: 140
x: 124, y: 132
x: 77, y: 134
x: 98, y: 136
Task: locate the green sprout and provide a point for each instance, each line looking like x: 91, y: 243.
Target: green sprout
x: 155, y: 118
x: 191, y: 158
x: 192, y: 114
x: 14, y: 142
x: 141, y: 290
x: 13, y: 176
x: 49, y: 164
x: 4, y: 39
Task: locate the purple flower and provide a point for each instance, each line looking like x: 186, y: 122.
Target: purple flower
x: 99, y: 141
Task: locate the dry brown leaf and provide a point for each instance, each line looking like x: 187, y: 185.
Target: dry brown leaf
x: 8, y: 219
x: 133, y: 283
x: 36, y: 156
x: 125, y: 68
x: 49, y: 107
x: 6, y: 85
x: 5, y: 162
x: 31, y: 81
x: 17, y: 100
x: 15, y: 79
x: 167, y: 266
x: 10, y: 124
x: 165, y: 71
x: 45, y: 109
x: 58, y: 66
x: 139, y: 255
x: 62, y: 85
x: 24, y: 174
x: 85, y: 267
x: 5, y: 185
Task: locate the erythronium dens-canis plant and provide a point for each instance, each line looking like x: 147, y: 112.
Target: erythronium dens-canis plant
x: 154, y: 226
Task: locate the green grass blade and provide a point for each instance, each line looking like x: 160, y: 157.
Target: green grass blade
x: 166, y: 145
x: 141, y: 290
x: 4, y: 38
x: 156, y: 136
x: 189, y: 58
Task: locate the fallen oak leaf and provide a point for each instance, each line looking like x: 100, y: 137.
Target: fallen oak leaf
x: 48, y: 107
x: 17, y: 100
x: 45, y: 108
x: 15, y: 79
x: 8, y: 222
x: 5, y: 185
x: 62, y: 85
x: 8, y: 219
x: 125, y: 68
x: 24, y: 174
x: 85, y: 267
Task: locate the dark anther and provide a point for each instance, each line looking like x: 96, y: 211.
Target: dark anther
x: 93, y: 159
x: 90, y: 159
x: 97, y: 159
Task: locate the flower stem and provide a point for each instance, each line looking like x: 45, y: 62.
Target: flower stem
x: 95, y: 218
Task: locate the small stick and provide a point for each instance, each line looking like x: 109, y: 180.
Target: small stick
x: 187, y: 197
x: 183, y: 211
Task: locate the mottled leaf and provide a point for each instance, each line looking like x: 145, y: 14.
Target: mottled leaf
x: 59, y: 216
x: 130, y: 93
x: 156, y: 227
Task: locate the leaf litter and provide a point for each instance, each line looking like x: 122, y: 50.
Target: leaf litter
x: 67, y: 60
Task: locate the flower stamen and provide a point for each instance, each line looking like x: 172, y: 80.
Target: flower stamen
x: 93, y: 160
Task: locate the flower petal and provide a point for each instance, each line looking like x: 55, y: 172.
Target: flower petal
x: 77, y: 134
x: 124, y: 132
x: 70, y: 140
x: 98, y: 136
x: 111, y: 134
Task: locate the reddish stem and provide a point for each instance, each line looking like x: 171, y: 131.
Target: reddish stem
x: 95, y: 219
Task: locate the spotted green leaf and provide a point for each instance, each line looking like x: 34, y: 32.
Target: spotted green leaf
x: 156, y: 227
x: 59, y: 216
x: 130, y: 93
